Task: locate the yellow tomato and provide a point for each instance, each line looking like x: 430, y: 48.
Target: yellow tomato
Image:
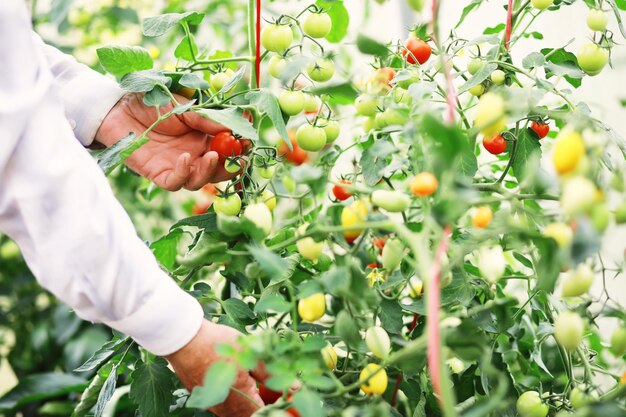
x: 312, y: 308
x: 353, y: 215
x: 154, y: 51
x: 330, y: 357
x: 482, y: 217
x: 269, y: 199
x: 423, y: 184
x: 569, y: 149
x: 416, y: 288
x: 377, y: 384
x: 186, y: 92
x: 560, y: 232
x: 490, y: 114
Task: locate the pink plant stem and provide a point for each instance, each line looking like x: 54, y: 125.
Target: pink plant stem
x: 257, y: 61
x: 432, y: 319
x: 509, y: 24
x: 450, y: 90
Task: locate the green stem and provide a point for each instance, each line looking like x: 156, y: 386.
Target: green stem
x: 251, y: 42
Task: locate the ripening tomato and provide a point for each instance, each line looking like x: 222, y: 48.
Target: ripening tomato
x: 391, y: 200
x: 569, y: 149
x: 200, y: 208
x: 330, y: 356
x: 366, y: 105
x: 312, y: 308
x: 494, y: 145
x: 276, y: 38
x: 568, y: 330
x: 482, y: 217
x: 529, y: 404
x: 342, y: 193
x: 186, y: 92
x: 379, y: 242
x: 331, y: 128
x: 292, y: 411
x: 317, y: 25
x: 378, y: 342
x: 321, y: 70
x: 226, y: 145
x: 312, y: 103
x: 353, y: 215
x: 311, y: 138
x: 424, y: 184
x: 490, y: 114
x: 276, y: 66
x: 267, y: 395
x: 597, y: 20
x: 373, y: 379
x: 229, y: 206
x: 383, y: 76
x: 291, y: 102
x: 416, y: 50
x: 592, y: 58
x: 297, y: 155
x: 260, y: 215
x: 540, y: 128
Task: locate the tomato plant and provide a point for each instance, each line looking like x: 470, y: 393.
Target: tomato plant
x: 368, y: 248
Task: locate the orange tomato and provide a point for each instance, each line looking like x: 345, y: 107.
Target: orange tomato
x: 423, y: 184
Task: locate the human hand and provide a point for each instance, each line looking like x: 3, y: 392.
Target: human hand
x: 193, y: 360
x: 178, y: 154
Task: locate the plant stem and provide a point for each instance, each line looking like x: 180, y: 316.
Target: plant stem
x: 251, y: 41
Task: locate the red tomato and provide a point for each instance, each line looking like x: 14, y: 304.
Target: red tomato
x: 226, y: 145
x: 373, y: 265
x: 341, y: 193
x: 267, y: 395
x: 210, y: 190
x: 350, y: 239
x: 541, y: 129
x: 297, y: 156
x: 416, y: 50
x: 201, y: 208
x: 495, y: 145
x: 292, y: 410
x: 384, y: 75
x: 248, y: 115
x: 379, y: 242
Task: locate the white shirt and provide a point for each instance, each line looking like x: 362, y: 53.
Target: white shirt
x: 57, y: 205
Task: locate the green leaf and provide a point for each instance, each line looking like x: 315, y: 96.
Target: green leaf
x: 391, y: 316
x: 467, y: 9
x: 370, y: 46
x: 89, y: 396
x: 120, y: 60
x: 308, y: 403
x: 338, y: 93
x: 238, y: 311
x: 37, y: 387
x: 108, y: 388
x: 217, y: 383
x: 187, y: 48
x: 151, y: 388
x: 339, y: 17
x: 206, y: 221
x: 496, y: 29
x: 102, y: 355
x: 480, y: 76
x: 337, y: 280
x: 194, y: 82
x: 233, y: 119
x: 159, y: 25
x: 347, y: 329
x: 547, y: 266
x: 207, y: 250
x: 143, y: 81
x: 564, y: 63
x: 533, y: 60
x: 272, y: 302
x: 374, y: 161
x: 166, y: 248
x: 266, y: 102
x: 156, y: 98
x: 527, y: 155
x: 111, y: 157
x: 272, y: 264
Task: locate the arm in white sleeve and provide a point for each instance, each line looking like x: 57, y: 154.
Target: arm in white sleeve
x: 87, y: 95
x: 57, y: 205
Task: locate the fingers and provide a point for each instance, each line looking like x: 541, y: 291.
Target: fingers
x: 175, y: 179
x: 203, y: 170
x: 243, y: 401
x: 204, y: 125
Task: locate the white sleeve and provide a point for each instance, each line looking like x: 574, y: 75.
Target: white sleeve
x: 87, y: 95
x: 57, y: 205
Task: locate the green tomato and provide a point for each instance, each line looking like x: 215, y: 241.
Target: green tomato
x: 578, y: 281
x: 322, y: 70
x: 331, y: 128
x: 378, y: 342
x: 266, y: 172
x: 416, y: 5
x: 620, y: 214
x: 529, y: 404
x: 475, y: 65
x: 309, y: 248
x: 380, y: 120
x: 568, y: 330
x: 229, y: 206
x: 618, y: 342
x: 260, y: 215
x: 219, y: 80
x: 477, y: 90
x: 369, y: 124
x: 579, y: 398
x: 290, y: 184
x: 597, y: 20
x: 276, y: 66
x: 498, y: 77
x: 291, y: 102
x: 311, y: 138
x: 9, y: 250
x: 402, y: 96
x: 392, y: 201
x: 600, y: 216
x: 394, y: 117
x: 232, y: 166
x: 317, y: 25
x: 592, y: 58
x: 312, y: 103
x: 366, y: 105
x: 276, y: 38
x: 406, y: 78
x: 392, y: 255
x: 541, y: 4
x: 324, y: 262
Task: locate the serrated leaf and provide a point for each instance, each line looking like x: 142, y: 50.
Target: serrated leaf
x: 166, y: 248
x: 533, y: 60
x: 37, y: 387
x: 238, y: 311
x: 194, y: 82
x: 102, y: 355
x: 266, y: 102
x: 187, y: 48
x: 108, y: 388
x: 391, y: 316
x: 217, y: 383
x: 89, y: 397
x: 374, y: 161
x: 143, y: 81
x: 272, y: 302
x: 115, y: 155
x: 206, y: 221
x: 233, y: 119
x: 151, y: 388
x: 527, y: 153
x: 467, y: 9
x: 120, y: 60
x: 308, y: 403
x: 370, y: 46
x: 480, y: 76
x: 159, y: 25
x: 272, y: 264
x: 156, y: 98
x: 339, y: 17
